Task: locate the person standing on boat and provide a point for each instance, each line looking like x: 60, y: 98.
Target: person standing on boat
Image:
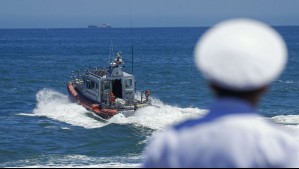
x: 112, y: 98
x: 117, y: 61
x: 147, y: 95
x: 239, y: 58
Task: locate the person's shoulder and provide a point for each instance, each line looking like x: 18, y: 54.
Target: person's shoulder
x: 160, y: 145
x: 187, y: 124
x: 274, y: 141
x: 278, y: 145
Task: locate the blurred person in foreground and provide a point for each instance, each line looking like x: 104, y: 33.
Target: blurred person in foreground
x: 239, y: 58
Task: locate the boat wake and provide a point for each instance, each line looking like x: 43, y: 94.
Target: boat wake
x: 57, y: 106
x: 158, y: 116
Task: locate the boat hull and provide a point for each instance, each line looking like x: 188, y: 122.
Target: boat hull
x: 94, y: 107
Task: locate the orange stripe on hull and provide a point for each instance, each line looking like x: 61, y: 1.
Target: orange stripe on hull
x: 96, y: 108
x: 71, y: 89
x: 109, y: 111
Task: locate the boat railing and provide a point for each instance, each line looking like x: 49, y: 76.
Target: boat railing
x: 97, y: 72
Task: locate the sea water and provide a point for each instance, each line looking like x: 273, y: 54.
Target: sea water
x: 40, y: 127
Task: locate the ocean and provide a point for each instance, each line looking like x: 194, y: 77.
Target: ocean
x: 40, y: 127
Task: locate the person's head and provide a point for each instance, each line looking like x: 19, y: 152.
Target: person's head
x: 240, y: 58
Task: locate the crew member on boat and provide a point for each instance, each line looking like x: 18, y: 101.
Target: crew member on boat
x: 112, y: 98
x: 117, y: 61
x: 147, y: 95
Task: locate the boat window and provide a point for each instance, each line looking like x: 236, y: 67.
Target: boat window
x: 92, y: 85
x: 97, y: 86
x: 106, y: 85
x: 129, y: 83
x: 87, y: 84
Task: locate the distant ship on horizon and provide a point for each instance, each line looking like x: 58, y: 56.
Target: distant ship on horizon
x: 104, y: 25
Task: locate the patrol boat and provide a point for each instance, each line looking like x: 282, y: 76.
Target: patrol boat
x: 107, y: 91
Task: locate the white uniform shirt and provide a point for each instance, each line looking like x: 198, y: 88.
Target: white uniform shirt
x: 230, y: 135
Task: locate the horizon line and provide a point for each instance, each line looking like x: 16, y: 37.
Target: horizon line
x: 127, y: 27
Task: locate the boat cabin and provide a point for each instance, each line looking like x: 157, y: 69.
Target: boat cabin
x: 101, y: 84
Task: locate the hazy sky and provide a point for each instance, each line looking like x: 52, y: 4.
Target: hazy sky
x: 145, y: 13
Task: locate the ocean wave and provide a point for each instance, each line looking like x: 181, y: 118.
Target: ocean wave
x: 75, y: 161
x: 57, y: 106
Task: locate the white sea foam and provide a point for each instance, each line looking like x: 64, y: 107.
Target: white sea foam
x: 77, y: 161
x: 57, y: 106
x: 286, y: 119
x: 159, y: 116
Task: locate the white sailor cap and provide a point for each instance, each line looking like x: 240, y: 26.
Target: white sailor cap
x: 241, y: 54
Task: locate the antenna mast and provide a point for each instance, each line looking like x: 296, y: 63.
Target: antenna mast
x: 132, y: 43
x: 111, y: 51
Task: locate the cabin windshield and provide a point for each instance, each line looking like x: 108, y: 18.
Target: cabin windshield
x: 106, y: 85
x: 129, y: 83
